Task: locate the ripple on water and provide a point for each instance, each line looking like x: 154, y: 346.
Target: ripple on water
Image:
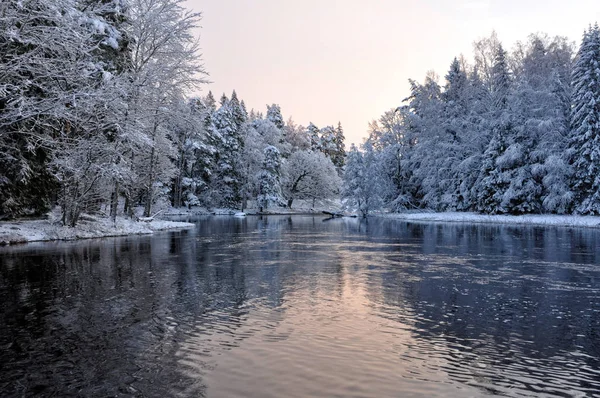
x: 294, y: 307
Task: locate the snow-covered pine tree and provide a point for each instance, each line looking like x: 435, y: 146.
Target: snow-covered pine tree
x: 584, y: 142
x: 269, y: 179
x: 328, y: 145
x: 455, y: 142
x: 556, y: 172
x: 223, y: 100
x: 274, y: 116
x: 425, y: 124
x: 538, y: 110
x: 210, y: 102
x: 500, y: 79
x: 227, y: 182
x: 187, y: 135
x: 314, y: 135
x: 391, y: 137
x: 493, y: 182
x: 477, y: 137
x: 239, y: 113
x: 339, y: 157
x: 362, y: 183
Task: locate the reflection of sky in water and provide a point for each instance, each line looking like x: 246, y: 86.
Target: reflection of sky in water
x: 300, y: 307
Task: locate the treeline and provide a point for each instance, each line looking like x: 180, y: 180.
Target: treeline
x: 236, y: 156
x: 512, y: 133
x: 96, y: 115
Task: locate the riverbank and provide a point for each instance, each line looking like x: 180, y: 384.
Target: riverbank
x: 24, y: 231
x: 474, y: 218
x: 301, y: 207
x: 51, y: 229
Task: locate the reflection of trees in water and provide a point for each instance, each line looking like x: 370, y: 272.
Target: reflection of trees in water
x: 144, y: 315
x: 101, y: 308
x: 139, y: 315
x: 102, y: 318
x: 496, y: 295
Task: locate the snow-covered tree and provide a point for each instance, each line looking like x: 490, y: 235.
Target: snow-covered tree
x: 362, y: 183
x: 296, y: 136
x: 339, y: 156
x: 56, y: 63
x: 238, y: 110
x: 309, y: 175
x: 227, y: 181
x: 270, y: 179
x: 314, y: 134
x: 491, y: 140
x: 584, y: 142
x: 165, y: 65
x: 274, y: 116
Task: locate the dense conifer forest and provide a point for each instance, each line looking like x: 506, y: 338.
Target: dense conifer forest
x: 100, y: 112
x: 511, y: 133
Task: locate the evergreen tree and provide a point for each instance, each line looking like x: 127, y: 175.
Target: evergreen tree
x: 274, y: 116
x: 327, y: 143
x: 314, y: 134
x: 456, y: 84
x: 339, y: 157
x: 455, y: 144
x: 584, y: 143
x: 226, y: 190
x: 500, y: 79
x: 270, y: 179
x: 224, y: 100
x: 362, y: 182
x: 240, y: 116
x: 493, y: 180
x: 210, y: 102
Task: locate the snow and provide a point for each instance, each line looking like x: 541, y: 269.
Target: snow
x: 532, y: 219
x: 112, y: 42
x: 300, y: 207
x: 46, y: 230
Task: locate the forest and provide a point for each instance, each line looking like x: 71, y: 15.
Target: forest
x: 512, y: 133
x: 100, y: 113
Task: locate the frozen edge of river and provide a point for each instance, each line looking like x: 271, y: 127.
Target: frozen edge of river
x: 44, y: 230
x: 474, y: 218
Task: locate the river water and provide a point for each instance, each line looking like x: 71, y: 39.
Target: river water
x: 302, y: 307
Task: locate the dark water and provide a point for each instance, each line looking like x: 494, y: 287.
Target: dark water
x: 298, y: 307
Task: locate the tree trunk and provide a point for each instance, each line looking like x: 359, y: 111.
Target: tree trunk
x: 114, y: 202
x: 126, y: 204
x: 150, y: 187
x: 177, y: 196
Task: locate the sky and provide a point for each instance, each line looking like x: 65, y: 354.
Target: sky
x: 325, y: 61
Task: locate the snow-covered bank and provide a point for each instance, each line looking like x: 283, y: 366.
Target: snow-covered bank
x: 300, y: 207
x: 532, y: 219
x: 46, y: 230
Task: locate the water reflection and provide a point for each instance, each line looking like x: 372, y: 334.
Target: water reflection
x: 294, y: 306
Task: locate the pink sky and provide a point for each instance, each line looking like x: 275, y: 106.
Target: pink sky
x: 349, y: 60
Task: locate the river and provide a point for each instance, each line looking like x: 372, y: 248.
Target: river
x: 300, y: 306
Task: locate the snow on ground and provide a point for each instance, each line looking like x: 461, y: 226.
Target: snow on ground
x: 531, y: 219
x: 90, y: 227
x: 299, y: 206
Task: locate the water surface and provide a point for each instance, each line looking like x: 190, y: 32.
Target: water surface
x: 298, y: 306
